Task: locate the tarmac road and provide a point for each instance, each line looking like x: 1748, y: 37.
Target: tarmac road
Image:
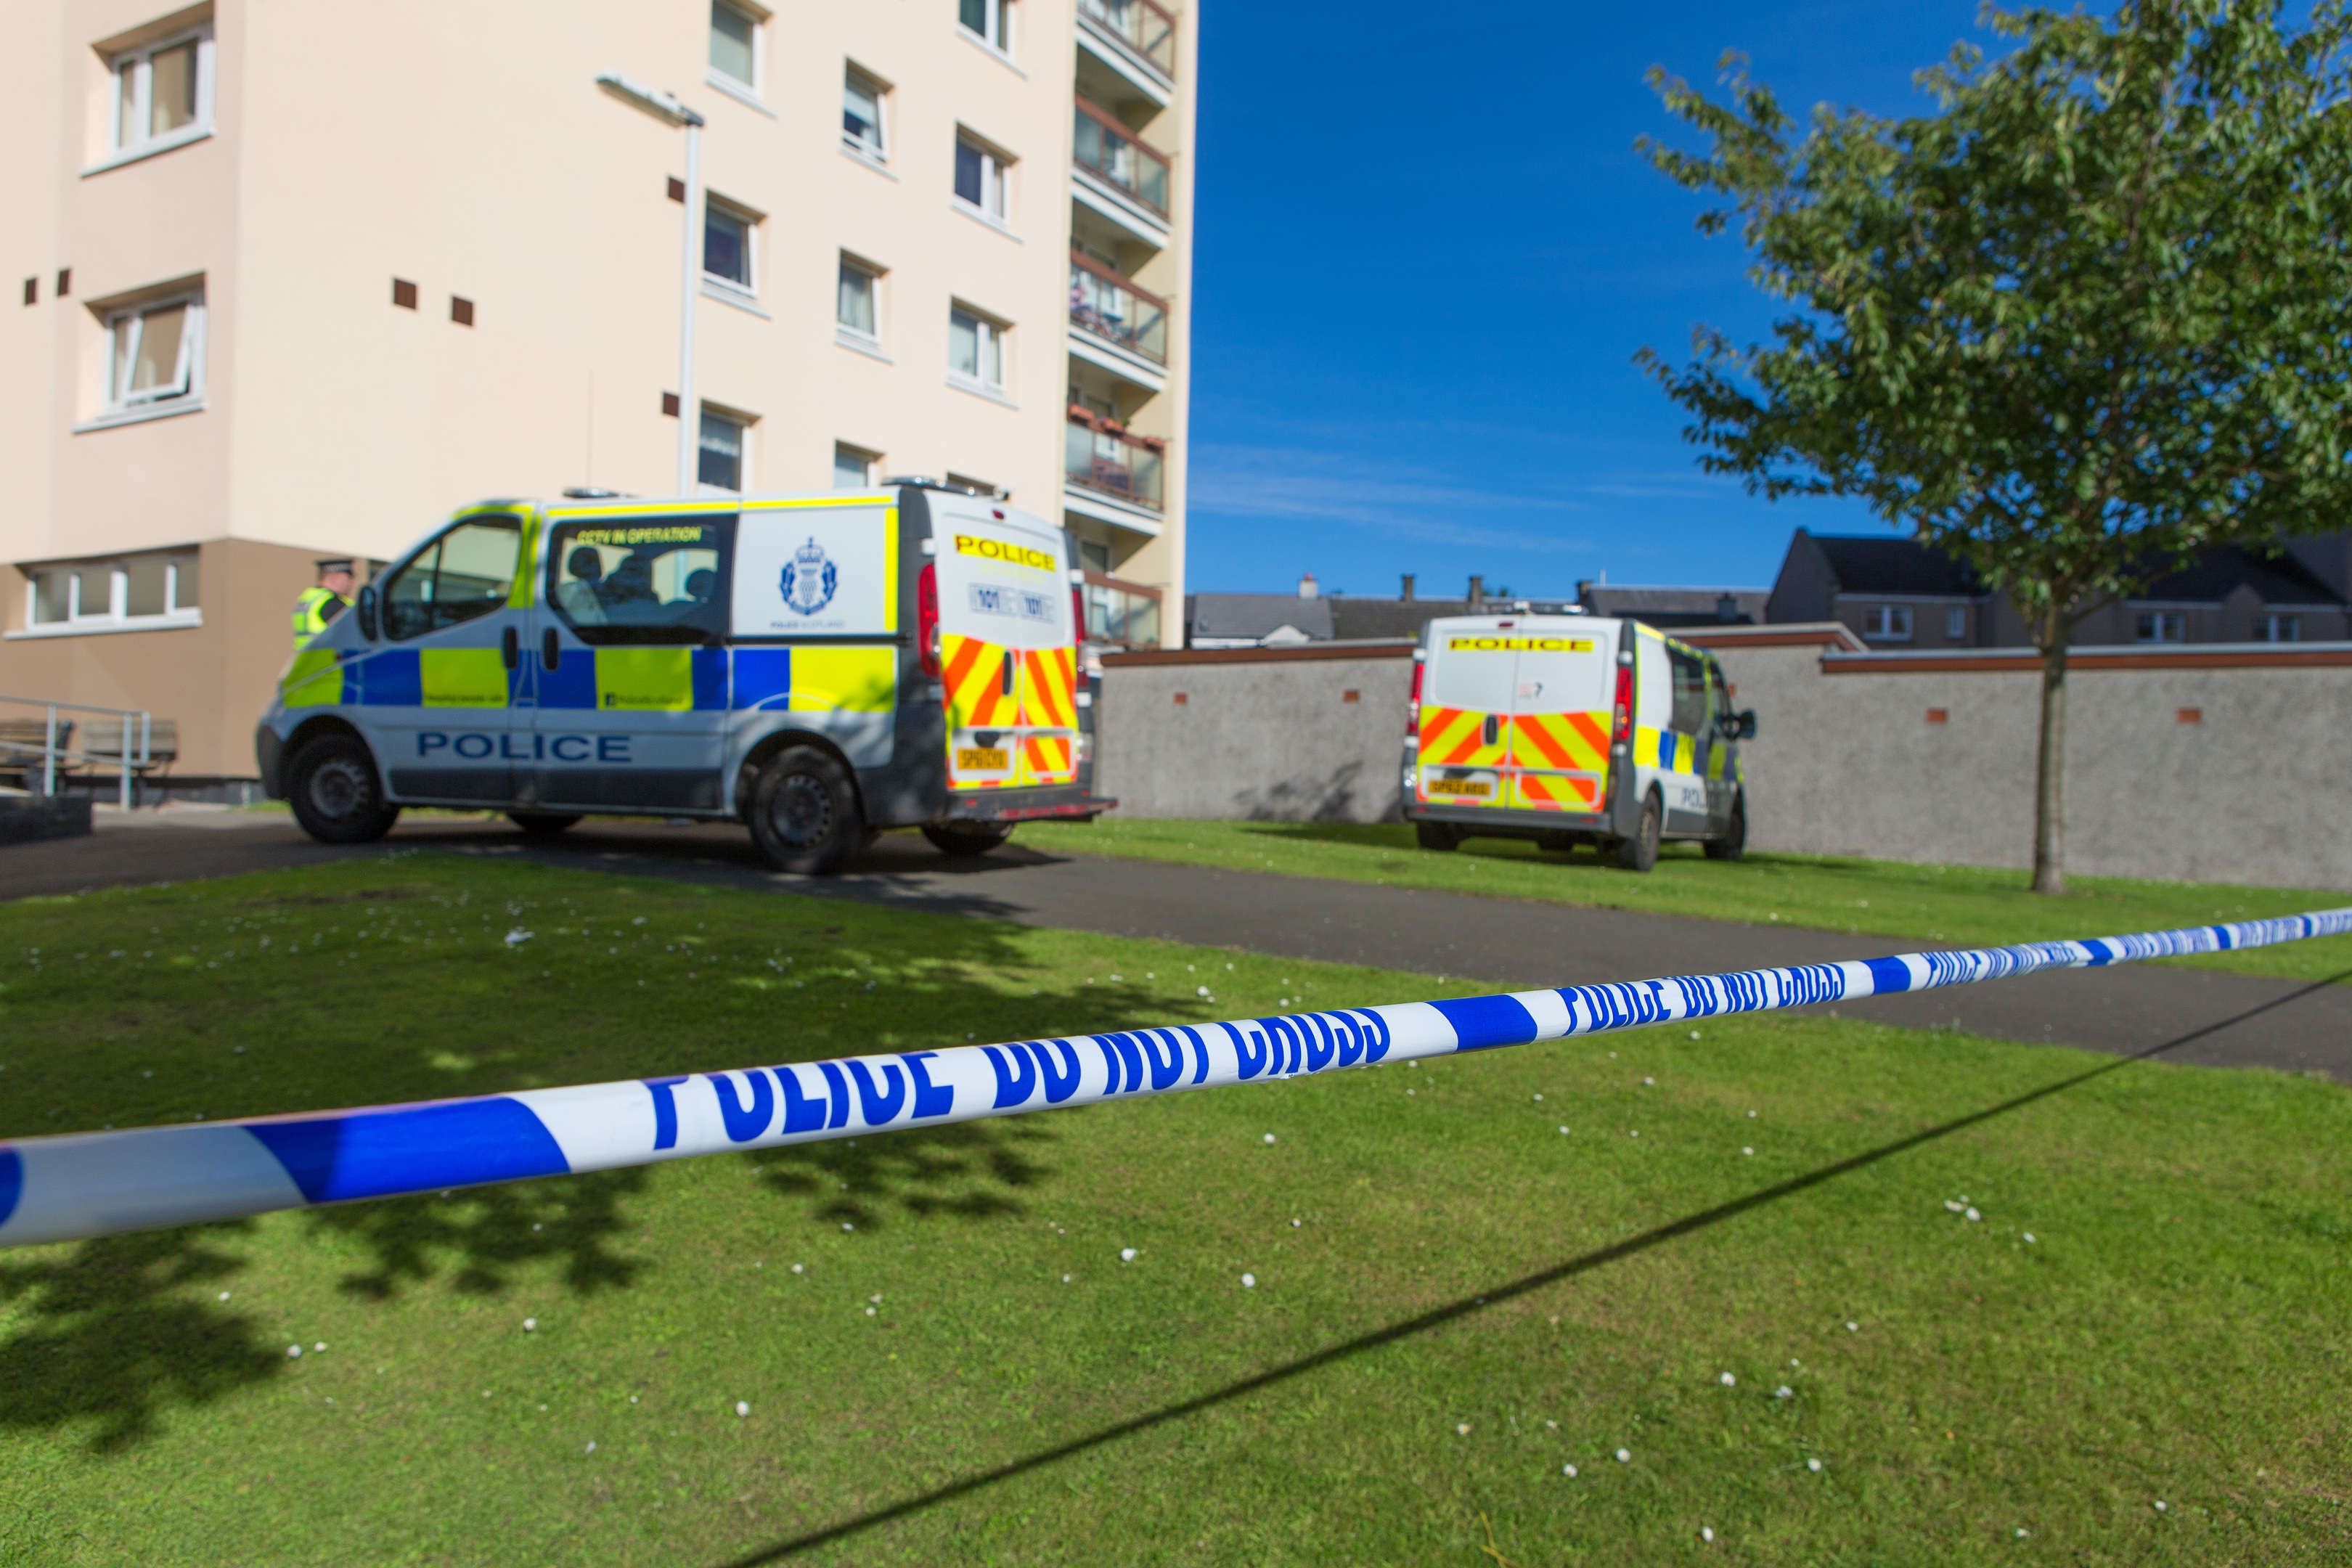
x: 2219, y: 1019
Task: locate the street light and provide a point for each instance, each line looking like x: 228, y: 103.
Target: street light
x: 665, y: 108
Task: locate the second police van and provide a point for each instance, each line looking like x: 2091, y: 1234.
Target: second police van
x: 1572, y: 730
x: 820, y: 667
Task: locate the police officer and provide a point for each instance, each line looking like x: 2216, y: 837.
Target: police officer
x: 319, y: 606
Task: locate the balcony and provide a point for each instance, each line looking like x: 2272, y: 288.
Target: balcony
x: 1108, y: 150
x: 1127, y: 614
x: 1143, y: 27
x: 1099, y: 455
x: 1110, y: 308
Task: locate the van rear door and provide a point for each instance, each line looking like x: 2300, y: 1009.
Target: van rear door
x: 1007, y: 649
x: 1465, y: 708
x: 1559, y: 722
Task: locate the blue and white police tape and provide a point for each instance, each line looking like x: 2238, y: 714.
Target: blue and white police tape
x: 98, y: 1183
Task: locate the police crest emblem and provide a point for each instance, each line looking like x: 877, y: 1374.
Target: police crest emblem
x: 808, y: 580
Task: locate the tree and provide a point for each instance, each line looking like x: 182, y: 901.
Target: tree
x: 2091, y: 318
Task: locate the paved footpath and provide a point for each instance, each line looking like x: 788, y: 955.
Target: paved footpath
x: 2235, y: 1020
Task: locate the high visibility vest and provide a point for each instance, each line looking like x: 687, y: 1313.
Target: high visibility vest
x: 311, y: 613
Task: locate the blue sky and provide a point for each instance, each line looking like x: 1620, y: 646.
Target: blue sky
x: 1425, y: 254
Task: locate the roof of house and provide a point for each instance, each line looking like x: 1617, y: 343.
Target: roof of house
x: 1866, y: 565
x: 2216, y: 574
x: 1255, y: 615
x: 1355, y: 618
x: 1676, y: 606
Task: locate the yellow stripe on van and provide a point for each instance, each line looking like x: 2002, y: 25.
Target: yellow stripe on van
x: 844, y: 679
x: 527, y: 565
x: 462, y: 677
x: 645, y: 679
x: 315, y: 681
x: 890, y: 569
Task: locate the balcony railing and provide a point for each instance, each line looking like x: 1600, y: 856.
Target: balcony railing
x: 1109, y: 306
x: 1101, y: 456
x: 1116, y: 612
x: 1106, y: 148
x: 1141, y: 26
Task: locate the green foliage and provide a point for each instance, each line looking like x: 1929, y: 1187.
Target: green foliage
x: 2091, y: 318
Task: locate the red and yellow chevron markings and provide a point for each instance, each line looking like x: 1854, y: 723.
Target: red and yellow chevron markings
x: 1457, y: 738
x: 979, y: 695
x: 1577, y: 740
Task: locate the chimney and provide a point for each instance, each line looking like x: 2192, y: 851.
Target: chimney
x: 1727, y: 609
x: 1408, y: 587
x: 1307, y: 589
x: 1478, y: 592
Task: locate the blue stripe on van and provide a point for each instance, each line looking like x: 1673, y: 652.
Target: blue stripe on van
x: 392, y: 678
x: 572, y: 682
x: 762, y: 673
x: 710, y: 679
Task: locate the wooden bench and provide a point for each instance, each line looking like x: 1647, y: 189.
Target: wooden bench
x: 103, y: 744
x: 22, y: 742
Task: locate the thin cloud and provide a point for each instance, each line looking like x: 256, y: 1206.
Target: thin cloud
x: 1306, y: 485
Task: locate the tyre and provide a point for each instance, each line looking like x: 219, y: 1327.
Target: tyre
x: 336, y: 795
x: 804, y: 815
x: 963, y: 839
x: 1437, y: 835
x: 542, y: 824
x: 1640, y: 852
x: 1733, y: 842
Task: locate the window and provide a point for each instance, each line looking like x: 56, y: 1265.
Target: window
x: 980, y: 178
x: 854, y: 306
x: 94, y: 595
x: 991, y: 21
x: 1690, y: 692
x: 734, y: 45
x: 651, y: 580
x: 1094, y: 557
x: 852, y: 470
x: 861, y: 116
x: 727, y: 237
x: 975, y: 349
x: 154, y: 353
x: 467, y: 571
x: 720, y: 464
x: 2161, y: 626
x: 162, y: 93
x: 1887, y: 623
x: 1955, y: 623
x: 2278, y: 628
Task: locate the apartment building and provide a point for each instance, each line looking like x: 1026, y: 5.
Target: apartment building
x: 297, y: 282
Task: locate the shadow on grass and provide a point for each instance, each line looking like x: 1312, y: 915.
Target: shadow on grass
x: 1492, y: 1296
x: 483, y: 1234
x: 118, y: 1332
x: 972, y: 1170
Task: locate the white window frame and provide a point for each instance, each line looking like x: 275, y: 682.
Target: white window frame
x: 752, y: 221
x: 867, y: 461
x: 758, y: 24
x: 858, y: 336
x: 994, y: 181
x: 1955, y: 623
x: 743, y: 423
x: 132, y: 71
x: 2159, y: 627
x: 2270, y: 623
x: 115, y: 617
x: 991, y: 336
x: 879, y: 150
x: 1878, y: 622
x: 996, y: 31
x: 187, y: 384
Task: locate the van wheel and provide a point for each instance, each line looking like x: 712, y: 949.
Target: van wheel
x: 1733, y: 842
x: 1640, y: 852
x: 961, y: 839
x: 544, y: 823
x: 335, y: 794
x: 804, y: 815
x: 1437, y: 835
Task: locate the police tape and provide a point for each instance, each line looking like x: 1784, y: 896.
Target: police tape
x: 75, y: 1186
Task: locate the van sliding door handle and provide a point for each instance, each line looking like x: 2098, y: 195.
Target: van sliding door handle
x: 550, y: 650
x: 511, y: 647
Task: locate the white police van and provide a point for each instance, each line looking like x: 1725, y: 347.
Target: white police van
x: 1572, y: 730
x: 819, y: 667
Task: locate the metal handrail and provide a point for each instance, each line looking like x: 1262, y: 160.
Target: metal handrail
x: 51, y: 750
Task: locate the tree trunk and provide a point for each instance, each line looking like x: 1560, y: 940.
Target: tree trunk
x: 2050, y: 765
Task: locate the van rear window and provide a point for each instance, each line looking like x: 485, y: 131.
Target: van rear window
x: 642, y: 579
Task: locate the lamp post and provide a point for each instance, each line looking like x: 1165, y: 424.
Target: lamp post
x: 665, y: 108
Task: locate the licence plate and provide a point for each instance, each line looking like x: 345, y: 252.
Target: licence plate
x: 1460, y: 786
x: 981, y: 757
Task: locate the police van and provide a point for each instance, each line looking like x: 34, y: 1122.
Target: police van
x: 820, y: 667
x: 1572, y: 730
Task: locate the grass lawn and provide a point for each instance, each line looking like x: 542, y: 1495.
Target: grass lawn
x: 1964, y: 905
x: 1455, y: 1300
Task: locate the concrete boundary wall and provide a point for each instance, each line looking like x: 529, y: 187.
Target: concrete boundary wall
x: 2230, y: 763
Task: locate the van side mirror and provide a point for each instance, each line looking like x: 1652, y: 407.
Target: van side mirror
x: 1748, y: 724
x: 366, y: 607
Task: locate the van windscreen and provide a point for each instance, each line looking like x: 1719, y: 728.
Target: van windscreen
x: 642, y: 579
